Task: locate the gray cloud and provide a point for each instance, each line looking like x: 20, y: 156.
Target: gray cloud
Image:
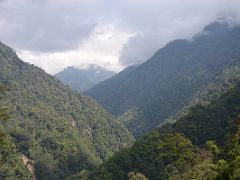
x: 44, y: 25
x: 53, y: 26
x: 162, y: 21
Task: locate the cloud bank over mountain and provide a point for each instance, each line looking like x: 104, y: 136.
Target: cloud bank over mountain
x: 111, y: 33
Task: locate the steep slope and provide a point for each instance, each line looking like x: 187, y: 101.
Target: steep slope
x: 11, y: 166
x: 203, y: 144
x: 220, y: 85
x: 160, y: 87
x: 83, y: 79
x: 62, y: 131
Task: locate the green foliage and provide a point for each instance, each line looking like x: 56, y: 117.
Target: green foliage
x: 3, y: 113
x: 220, y: 85
x: 83, y: 175
x: 202, y: 144
x: 11, y: 166
x: 156, y: 156
x: 62, y: 131
x: 234, y: 154
x: 230, y: 168
x: 205, y: 170
x: 212, y: 147
x: 136, y: 176
x: 209, y: 122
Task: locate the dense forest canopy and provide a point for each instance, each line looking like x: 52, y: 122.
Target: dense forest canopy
x: 11, y: 166
x: 203, y: 144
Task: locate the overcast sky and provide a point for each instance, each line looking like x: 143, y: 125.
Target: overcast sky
x: 54, y: 34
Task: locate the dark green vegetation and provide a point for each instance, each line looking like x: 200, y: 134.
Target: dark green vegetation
x: 148, y: 94
x: 83, y: 79
x: 11, y: 166
x: 203, y: 144
x: 60, y: 130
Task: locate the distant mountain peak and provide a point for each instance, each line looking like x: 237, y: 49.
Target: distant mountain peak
x: 84, y: 78
x: 216, y: 26
x: 86, y: 67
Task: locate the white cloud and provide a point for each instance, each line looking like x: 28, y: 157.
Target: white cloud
x: 102, y: 48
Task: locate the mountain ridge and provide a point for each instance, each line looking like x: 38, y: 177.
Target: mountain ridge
x: 83, y: 79
x: 159, y: 87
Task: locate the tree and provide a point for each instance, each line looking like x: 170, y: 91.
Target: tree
x: 234, y: 154
x: 230, y: 168
x: 3, y: 114
x: 136, y: 176
x: 212, y: 147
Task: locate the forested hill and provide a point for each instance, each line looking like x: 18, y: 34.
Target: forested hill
x: 152, y: 91
x: 83, y: 79
x: 59, y: 129
x: 203, y: 144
